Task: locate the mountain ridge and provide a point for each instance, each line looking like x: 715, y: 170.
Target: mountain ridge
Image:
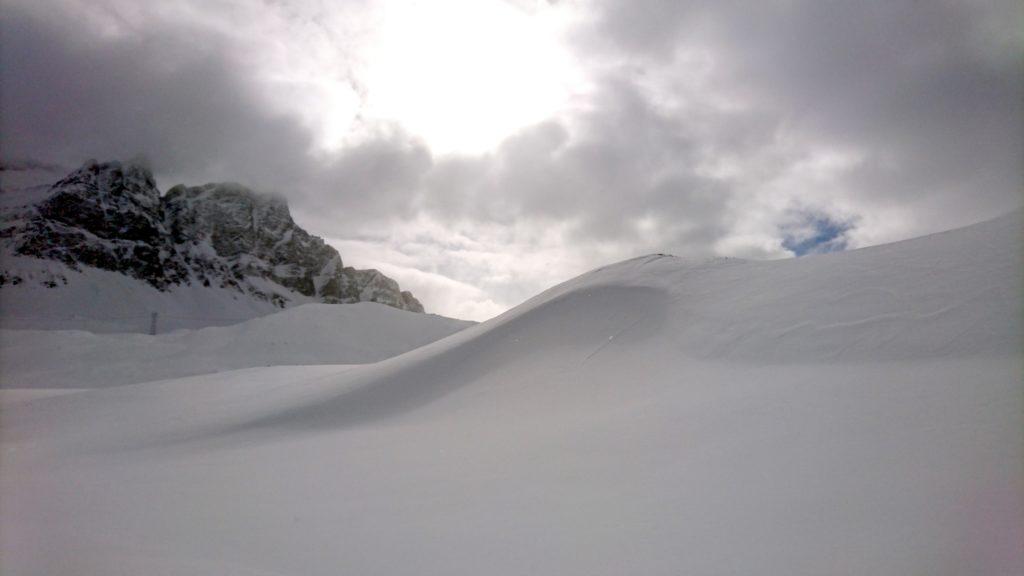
x: 111, y: 216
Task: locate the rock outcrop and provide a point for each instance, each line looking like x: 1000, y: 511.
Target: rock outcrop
x: 112, y: 216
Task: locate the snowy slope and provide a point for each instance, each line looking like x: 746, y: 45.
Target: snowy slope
x: 102, y: 301
x: 310, y: 334
x: 853, y: 413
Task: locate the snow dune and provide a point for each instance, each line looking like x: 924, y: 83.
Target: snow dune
x: 854, y: 413
x: 358, y: 333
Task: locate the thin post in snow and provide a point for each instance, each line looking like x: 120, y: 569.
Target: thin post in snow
x: 152, y: 324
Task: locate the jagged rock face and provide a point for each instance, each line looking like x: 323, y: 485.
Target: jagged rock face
x: 103, y: 215
x: 373, y: 286
x: 253, y: 235
x: 111, y: 216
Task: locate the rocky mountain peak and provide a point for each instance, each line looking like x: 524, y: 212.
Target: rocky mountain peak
x: 128, y: 181
x: 111, y: 216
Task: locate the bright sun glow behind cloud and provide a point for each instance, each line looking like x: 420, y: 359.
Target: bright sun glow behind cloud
x: 463, y: 74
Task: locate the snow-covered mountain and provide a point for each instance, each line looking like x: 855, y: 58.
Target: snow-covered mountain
x: 195, y: 246
x: 850, y: 413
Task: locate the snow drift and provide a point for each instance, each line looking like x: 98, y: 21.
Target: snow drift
x: 847, y: 413
x: 309, y: 334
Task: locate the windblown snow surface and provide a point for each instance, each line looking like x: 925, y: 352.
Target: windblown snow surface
x: 356, y: 333
x: 853, y: 413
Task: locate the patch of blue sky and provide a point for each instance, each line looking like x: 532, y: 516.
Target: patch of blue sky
x: 815, y: 233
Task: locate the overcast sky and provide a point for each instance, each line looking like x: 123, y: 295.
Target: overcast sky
x: 479, y: 151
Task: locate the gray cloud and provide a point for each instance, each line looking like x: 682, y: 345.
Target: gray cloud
x: 67, y: 95
x: 931, y: 92
x: 374, y: 180
x: 711, y: 128
x: 179, y: 98
x: 626, y: 166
